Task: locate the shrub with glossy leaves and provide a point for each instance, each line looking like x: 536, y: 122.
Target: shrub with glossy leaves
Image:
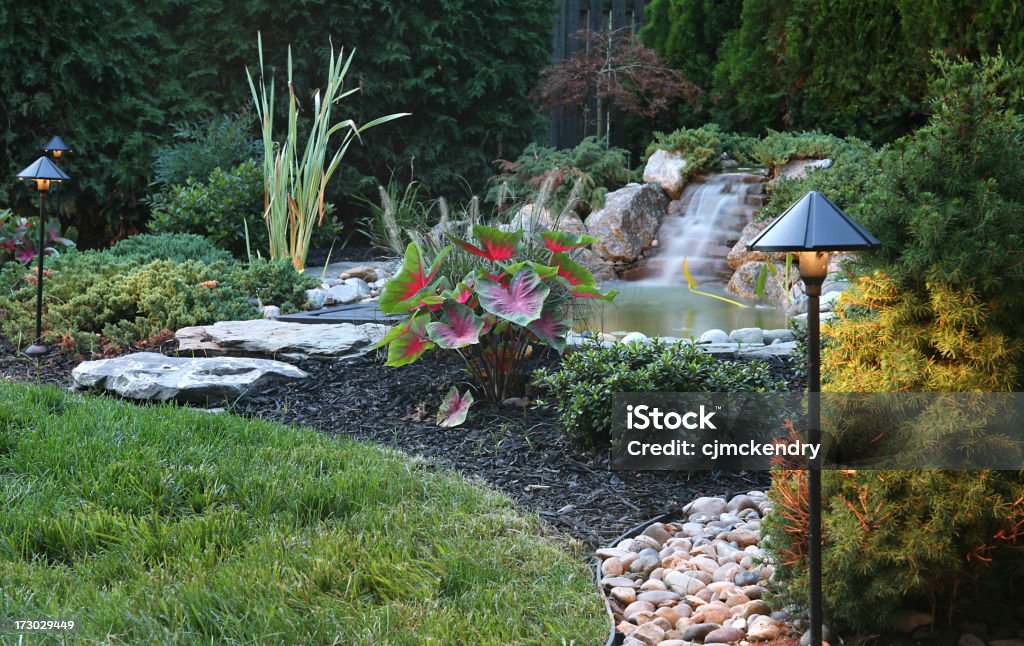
x: 582, y: 388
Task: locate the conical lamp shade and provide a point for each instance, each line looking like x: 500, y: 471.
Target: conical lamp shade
x: 813, y: 223
x: 56, y: 144
x: 43, y: 168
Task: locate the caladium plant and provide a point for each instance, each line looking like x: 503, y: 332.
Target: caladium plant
x: 496, y: 315
x: 19, y: 238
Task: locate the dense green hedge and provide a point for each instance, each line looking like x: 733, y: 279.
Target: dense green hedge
x: 858, y: 67
x: 113, y: 77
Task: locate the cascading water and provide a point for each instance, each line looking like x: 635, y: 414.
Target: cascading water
x: 710, y: 214
x: 699, y: 228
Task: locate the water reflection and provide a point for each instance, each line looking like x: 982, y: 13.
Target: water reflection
x: 672, y: 310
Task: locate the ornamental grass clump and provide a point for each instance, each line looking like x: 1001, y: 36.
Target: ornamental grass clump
x: 295, y: 177
x: 495, y: 316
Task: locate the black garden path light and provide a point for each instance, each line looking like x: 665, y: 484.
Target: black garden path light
x: 813, y: 227
x: 44, y: 173
x: 56, y: 148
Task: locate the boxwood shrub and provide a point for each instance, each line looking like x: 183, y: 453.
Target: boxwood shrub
x: 581, y: 389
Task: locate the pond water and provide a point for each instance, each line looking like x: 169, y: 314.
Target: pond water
x: 672, y: 310
x: 700, y: 227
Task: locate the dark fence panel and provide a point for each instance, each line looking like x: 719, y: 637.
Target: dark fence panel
x: 567, y: 129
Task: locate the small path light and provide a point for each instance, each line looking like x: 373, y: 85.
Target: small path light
x: 44, y: 173
x: 56, y: 148
x: 813, y: 227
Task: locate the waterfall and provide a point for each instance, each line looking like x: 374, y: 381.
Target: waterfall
x: 709, y: 215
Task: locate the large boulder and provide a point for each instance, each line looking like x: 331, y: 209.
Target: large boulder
x: 666, y: 169
x: 744, y: 282
x: 628, y: 222
x: 278, y: 339
x: 739, y: 255
x: 148, y: 375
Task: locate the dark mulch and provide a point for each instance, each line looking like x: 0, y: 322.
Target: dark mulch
x: 522, y: 452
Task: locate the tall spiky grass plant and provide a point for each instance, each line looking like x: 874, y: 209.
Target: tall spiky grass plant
x: 296, y: 176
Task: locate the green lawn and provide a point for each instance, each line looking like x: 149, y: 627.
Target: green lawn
x: 167, y: 525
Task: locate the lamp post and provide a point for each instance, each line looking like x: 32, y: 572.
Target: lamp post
x: 813, y: 227
x: 43, y: 172
x: 56, y: 148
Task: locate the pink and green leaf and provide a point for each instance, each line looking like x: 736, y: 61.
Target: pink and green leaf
x: 408, y: 288
x: 407, y: 346
x: 544, y: 271
x: 559, y: 241
x: 454, y: 408
x: 495, y: 245
x: 551, y: 327
x: 572, y: 272
x: 463, y: 328
x: 521, y: 302
x: 590, y: 291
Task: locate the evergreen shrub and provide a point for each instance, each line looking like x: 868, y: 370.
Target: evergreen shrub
x: 597, y: 167
x: 581, y: 389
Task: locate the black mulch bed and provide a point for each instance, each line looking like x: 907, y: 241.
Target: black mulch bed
x: 519, y: 451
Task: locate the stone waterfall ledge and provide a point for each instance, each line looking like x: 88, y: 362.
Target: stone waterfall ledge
x: 293, y: 341
x: 152, y: 376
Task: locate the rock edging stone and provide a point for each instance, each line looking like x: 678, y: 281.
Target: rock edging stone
x: 152, y: 376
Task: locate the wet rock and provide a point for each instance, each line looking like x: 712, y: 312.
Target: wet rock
x: 666, y: 169
x: 628, y: 222
x: 744, y: 283
x: 781, y: 335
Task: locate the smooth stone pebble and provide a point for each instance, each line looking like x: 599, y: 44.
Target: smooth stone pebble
x: 715, y: 613
x: 658, y: 532
x: 635, y: 607
x: 653, y: 584
x: 644, y: 565
x: 724, y: 635
x: 828, y: 636
x: 670, y: 614
x: 650, y: 633
x: 692, y: 529
x: 610, y: 552
x: 755, y: 607
x: 658, y: 597
x: 745, y: 578
x: 743, y: 537
x: 619, y: 581
x: 611, y: 567
x: 739, y: 503
x: 706, y: 505
x: 699, y: 631
x: 737, y: 599
x: 763, y: 628
x: 623, y: 595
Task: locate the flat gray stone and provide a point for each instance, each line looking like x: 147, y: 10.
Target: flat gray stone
x: 279, y: 339
x: 781, y: 334
x: 748, y: 335
x: 148, y: 375
x: 714, y: 336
